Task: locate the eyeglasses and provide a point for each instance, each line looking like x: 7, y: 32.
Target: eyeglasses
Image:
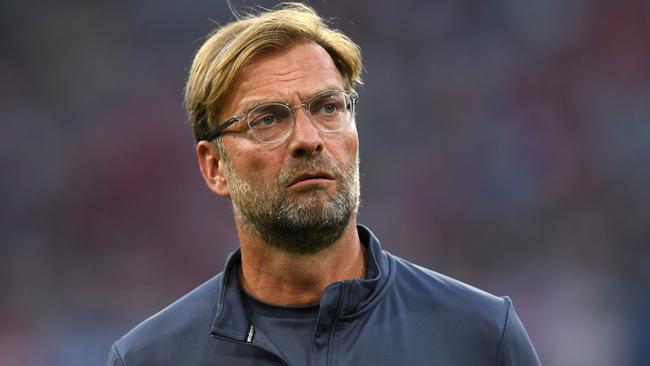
x: 272, y: 122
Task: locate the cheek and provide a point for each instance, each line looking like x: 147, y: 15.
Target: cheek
x: 256, y: 165
x: 258, y: 169
x: 348, y: 146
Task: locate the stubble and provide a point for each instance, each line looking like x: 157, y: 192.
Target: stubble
x: 304, y: 222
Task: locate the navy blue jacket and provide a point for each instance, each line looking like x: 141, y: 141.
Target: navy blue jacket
x: 401, y: 315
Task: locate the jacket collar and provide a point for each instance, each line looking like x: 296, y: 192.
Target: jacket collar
x: 361, y: 295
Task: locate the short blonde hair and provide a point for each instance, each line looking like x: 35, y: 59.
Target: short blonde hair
x: 230, y: 48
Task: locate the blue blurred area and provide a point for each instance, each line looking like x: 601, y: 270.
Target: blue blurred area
x: 504, y: 143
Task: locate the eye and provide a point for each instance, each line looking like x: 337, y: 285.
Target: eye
x: 263, y: 121
x: 269, y: 116
x: 329, y: 108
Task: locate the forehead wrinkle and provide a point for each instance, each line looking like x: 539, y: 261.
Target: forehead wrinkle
x: 252, y: 102
x: 276, y: 77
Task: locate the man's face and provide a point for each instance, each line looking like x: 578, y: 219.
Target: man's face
x: 300, y: 194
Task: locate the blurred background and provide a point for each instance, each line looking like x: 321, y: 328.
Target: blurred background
x: 504, y: 143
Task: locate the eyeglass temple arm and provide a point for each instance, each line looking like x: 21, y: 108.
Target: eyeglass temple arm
x: 217, y: 131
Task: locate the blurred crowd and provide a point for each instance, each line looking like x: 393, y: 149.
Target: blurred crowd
x: 503, y: 143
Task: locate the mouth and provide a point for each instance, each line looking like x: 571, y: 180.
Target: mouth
x: 311, y: 178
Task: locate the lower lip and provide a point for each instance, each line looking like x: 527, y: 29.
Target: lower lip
x: 309, y: 182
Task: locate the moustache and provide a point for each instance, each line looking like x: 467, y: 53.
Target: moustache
x: 299, y: 167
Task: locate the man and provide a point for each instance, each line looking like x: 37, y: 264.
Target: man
x: 272, y: 105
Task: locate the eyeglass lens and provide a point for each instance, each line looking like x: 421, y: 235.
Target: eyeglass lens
x: 274, y: 121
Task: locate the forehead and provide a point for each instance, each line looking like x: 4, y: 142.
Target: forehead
x: 289, y: 75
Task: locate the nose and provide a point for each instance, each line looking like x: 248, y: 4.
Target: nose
x: 305, y: 140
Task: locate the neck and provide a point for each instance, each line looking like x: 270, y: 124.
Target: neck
x: 282, y: 278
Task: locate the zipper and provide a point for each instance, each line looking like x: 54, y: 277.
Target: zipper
x: 330, y: 342
x: 216, y: 336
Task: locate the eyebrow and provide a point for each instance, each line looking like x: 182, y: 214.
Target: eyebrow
x: 257, y: 102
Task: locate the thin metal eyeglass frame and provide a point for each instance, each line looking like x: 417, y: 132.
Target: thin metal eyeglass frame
x: 306, y: 104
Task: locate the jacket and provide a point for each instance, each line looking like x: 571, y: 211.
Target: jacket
x: 401, y: 314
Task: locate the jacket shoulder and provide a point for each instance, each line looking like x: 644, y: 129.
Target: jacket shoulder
x: 417, y: 276
x: 440, y: 318
x: 188, y: 319
x: 462, y: 302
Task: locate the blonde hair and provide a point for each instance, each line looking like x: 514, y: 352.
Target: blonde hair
x: 230, y: 48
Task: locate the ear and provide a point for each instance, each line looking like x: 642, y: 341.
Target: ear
x: 212, y: 168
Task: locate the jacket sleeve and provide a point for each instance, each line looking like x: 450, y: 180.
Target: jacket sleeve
x: 114, y: 358
x: 515, y: 348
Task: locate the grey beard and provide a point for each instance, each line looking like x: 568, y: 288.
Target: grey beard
x: 305, y: 224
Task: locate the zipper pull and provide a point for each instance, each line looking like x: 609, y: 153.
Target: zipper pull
x: 250, y: 336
